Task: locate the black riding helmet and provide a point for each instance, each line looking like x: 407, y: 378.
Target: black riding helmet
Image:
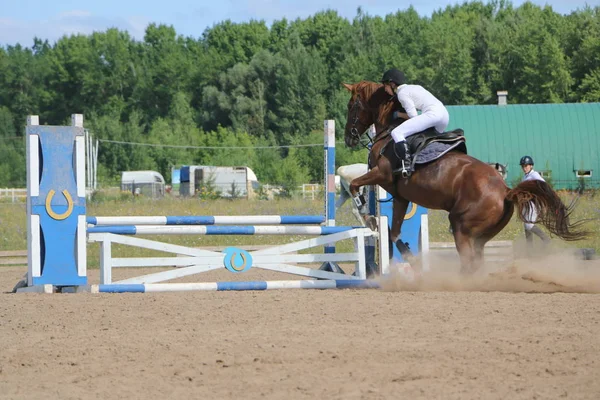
x: 526, y: 160
x: 394, y: 75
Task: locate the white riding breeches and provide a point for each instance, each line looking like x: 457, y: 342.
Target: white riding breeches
x: 437, y: 118
x: 530, y: 217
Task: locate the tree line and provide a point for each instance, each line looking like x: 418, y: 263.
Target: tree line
x: 253, y: 86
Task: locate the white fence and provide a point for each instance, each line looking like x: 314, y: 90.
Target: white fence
x: 15, y: 195
x: 306, y: 190
x: 311, y: 190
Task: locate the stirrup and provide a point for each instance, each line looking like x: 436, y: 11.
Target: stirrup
x: 405, y: 172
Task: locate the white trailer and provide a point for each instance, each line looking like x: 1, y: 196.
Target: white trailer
x: 228, y: 181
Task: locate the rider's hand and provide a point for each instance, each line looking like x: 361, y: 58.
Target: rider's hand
x: 399, y: 114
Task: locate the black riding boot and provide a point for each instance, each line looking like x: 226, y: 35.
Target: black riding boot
x: 403, y: 163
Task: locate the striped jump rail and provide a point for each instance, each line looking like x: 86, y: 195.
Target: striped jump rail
x: 209, y: 220
x: 219, y: 230
x: 235, y: 286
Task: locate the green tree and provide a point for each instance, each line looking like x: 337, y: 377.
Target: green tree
x: 585, y: 43
x: 12, y: 152
x: 447, y: 63
x: 163, y: 70
x: 299, y: 103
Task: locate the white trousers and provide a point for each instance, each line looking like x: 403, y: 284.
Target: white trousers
x: 437, y: 118
x: 530, y: 217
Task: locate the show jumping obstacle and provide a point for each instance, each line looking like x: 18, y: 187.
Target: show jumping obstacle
x: 58, y: 231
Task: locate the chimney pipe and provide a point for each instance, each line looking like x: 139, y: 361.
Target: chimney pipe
x: 502, y: 95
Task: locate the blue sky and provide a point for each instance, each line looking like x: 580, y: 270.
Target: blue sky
x: 21, y: 20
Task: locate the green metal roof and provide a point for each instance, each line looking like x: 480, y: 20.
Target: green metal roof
x: 562, y: 138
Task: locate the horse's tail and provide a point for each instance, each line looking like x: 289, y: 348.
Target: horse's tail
x: 551, y: 211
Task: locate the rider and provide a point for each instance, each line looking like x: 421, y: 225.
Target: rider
x: 530, y: 229
x: 413, y: 98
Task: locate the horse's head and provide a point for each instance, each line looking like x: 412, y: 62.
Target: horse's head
x: 369, y: 104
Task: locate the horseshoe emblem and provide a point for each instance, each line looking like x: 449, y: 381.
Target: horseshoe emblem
x: 237, y: 260
x: 54, y: 215
x: 412, y: 212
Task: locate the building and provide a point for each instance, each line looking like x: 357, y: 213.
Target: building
x: 563, y: 139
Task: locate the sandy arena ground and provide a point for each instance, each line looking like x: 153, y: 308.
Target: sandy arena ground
x: 527, y: 333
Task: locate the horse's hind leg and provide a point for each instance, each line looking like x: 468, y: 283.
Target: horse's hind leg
x: 465, y: 245
x: 478, y: 245
x: 502, y: 214
x: 466, y: 251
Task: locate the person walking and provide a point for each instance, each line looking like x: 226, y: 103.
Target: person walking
x: 530, y: 227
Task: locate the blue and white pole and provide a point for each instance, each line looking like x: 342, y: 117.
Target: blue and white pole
x: 209, y: 220
x: 330, y: 190
x: 330, y: 172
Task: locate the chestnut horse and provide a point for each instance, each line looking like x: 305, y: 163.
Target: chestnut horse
x: 476, y: 197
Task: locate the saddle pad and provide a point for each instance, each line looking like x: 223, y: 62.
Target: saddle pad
x: 435, y: 150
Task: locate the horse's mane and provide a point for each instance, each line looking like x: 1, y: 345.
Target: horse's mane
x: 377, y: 98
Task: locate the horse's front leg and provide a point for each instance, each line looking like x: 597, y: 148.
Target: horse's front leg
x: 400, y: 207
x: 373, y: 177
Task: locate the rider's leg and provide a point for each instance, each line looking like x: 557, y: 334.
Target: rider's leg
x: 404, y: 130
x: 443, y: 120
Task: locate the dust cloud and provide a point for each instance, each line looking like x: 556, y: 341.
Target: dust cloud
x: 547, y: 270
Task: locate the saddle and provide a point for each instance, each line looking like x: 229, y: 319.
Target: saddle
x: 419, y: 141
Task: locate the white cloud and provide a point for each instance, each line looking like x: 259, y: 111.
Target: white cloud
x: 13, y: 31
x: 74, y: 13
x: 137, y: 26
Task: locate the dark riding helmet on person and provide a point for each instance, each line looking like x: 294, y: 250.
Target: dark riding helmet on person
x: 394, y: 75
x: 526, y: 160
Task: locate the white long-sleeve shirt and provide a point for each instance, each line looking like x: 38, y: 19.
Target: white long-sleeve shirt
x: 416, y: 97
x: 533, y: 175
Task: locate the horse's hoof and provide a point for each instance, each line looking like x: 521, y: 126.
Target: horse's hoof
x: 371, y: 222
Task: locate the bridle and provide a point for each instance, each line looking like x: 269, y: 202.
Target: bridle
x: 356, y: 108
x: 355, y: 134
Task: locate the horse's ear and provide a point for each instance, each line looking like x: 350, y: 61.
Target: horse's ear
x: 348, y: 86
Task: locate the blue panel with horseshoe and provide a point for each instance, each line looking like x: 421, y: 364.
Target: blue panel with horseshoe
x: 58, y: 204
x: 237, y: 260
